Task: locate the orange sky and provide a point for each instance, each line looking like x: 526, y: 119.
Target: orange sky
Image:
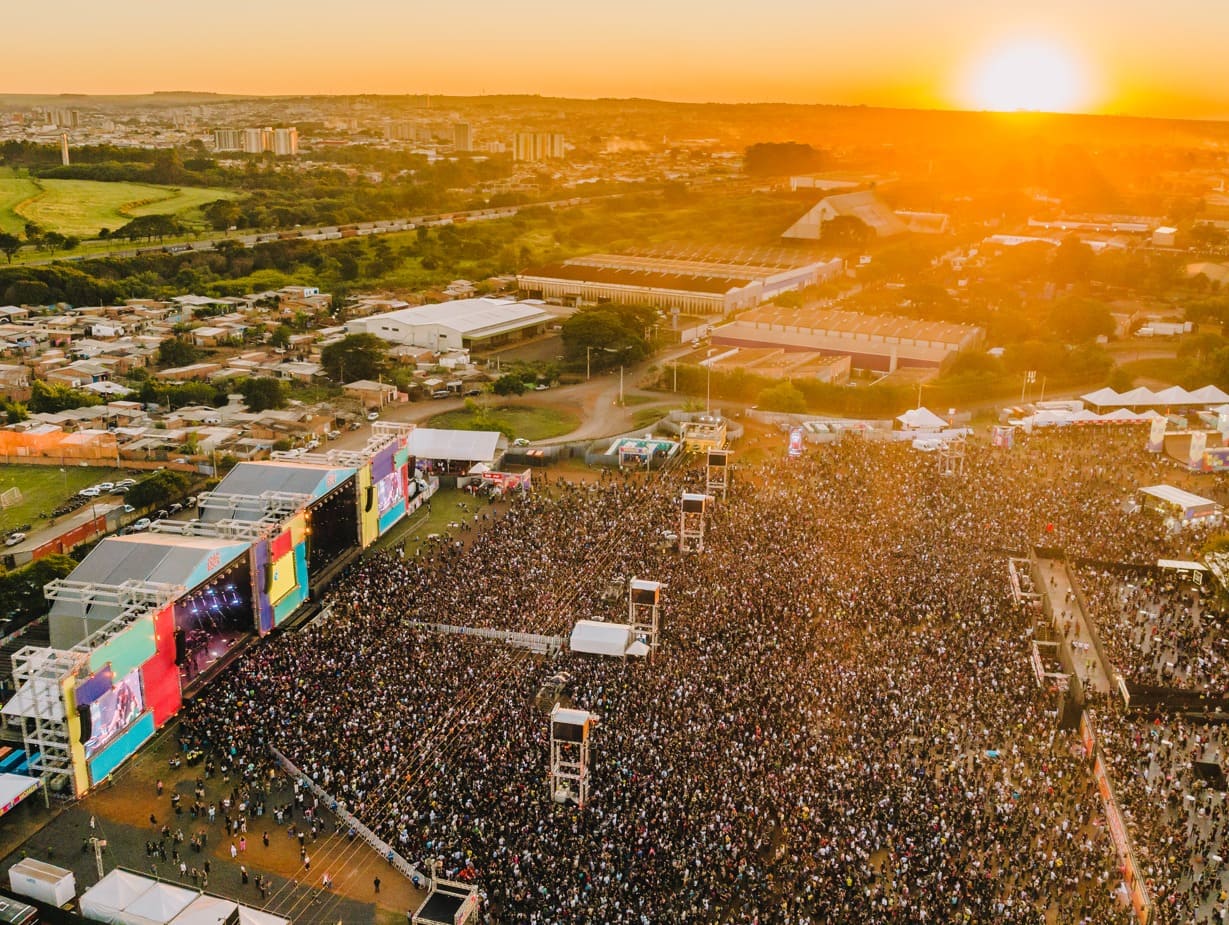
x: 1137, y: 57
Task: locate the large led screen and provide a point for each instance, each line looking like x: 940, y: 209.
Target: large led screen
x: 388, y: 492
x: 114, y: 712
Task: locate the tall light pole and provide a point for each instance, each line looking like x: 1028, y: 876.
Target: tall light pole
x: 588, y: 354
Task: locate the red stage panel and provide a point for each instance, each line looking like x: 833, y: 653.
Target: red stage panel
x: 160, y: 673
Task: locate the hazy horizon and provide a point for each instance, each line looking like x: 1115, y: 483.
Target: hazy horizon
x: 1125, y: 58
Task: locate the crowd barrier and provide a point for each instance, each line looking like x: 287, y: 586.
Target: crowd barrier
x: 338, y: 808
x: 534, y: 642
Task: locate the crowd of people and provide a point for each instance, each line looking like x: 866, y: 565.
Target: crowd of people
x: 840, y: 725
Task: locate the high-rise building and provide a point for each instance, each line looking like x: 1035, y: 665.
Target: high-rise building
x: 227, y: 139
x: 64, y: 148
x: 253, y: 141
x: 399, y: 131
x: 537, y: 146
x: 462, y: 137
x: 286, y: 142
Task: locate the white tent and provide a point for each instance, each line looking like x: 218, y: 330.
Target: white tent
x: 14, y: 788
x: 256, y: 917
x: 1208, y: 395
x: 156, y: 906
x: 1101, y: 397
x: 597, y: 638
x: 1174, y: 395
x: 921, y: 419
x: 206, y: 910
x: 1138, y: 396
x: 105, y: 901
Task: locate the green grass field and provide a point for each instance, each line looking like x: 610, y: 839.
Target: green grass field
x: 44, y: 487
x: 530, y: 423
x: 83, y: 207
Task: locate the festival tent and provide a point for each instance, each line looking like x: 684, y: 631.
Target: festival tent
x: 206, y: 910
x: 156, y: 906
x: 921, y: 419
x: 14, y: 788
x: 256, y: 917
x: 1101, y: 398
x: 105, y: 901
x: 597, y: 638
x: 1208, y: 395
x: 1138, y: 396
x: 1174, y: 395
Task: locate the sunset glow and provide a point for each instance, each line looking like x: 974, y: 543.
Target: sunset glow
x: 1030, y: 74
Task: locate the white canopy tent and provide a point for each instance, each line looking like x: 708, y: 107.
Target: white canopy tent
x: 158, y: 905
x: 597, y: 638
x: 921, y: 419
x: 256, y: 917
x: 106, y: 900
x: 206, y: 910
x: 1172, y: 397
x: 14, y: 788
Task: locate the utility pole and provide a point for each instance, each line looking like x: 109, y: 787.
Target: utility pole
x: 708, y: 390
x: 98, y: 844
x: 620, y: 386
x: 588, y: 354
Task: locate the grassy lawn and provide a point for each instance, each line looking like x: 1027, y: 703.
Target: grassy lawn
x: 530, y: 423
x: 13, y: 192
x: 1166, y: 369
x: 647, y: 417
x: 82, y: 207
x: 412, y: 532
x: 44, y: 487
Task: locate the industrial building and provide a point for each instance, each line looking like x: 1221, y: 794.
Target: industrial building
x: 470, y: 324
x: 865, y: 206
x: 875, y: 342
x: 701, y: 287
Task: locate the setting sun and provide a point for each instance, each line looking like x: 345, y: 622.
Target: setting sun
x: 1028, y: 74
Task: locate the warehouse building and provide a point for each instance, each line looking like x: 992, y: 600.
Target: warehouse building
x: 469, y: 324
x: 876, y: 342
x: 700, y: 287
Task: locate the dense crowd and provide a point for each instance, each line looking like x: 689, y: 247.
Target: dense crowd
x: 841, y: 724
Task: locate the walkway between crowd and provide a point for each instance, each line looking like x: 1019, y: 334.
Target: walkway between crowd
x: 1073, y: 624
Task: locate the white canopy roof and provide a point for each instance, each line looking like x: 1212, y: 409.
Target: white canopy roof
x: 1105, y: 396
x: 14, y: 788
x: 597, y: 638
x: 921, y: 419
x: 1184, y: 499
x: 257, y: 917
x: 1172, y: 396
x: 105, y: 901
x: 454, y: 445
x: 156, y: 906
x: 206, y: 910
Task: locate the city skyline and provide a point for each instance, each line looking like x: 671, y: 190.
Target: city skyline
x: 1126, y: 58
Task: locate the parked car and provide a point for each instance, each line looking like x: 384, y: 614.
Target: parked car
x: 162, y: 514
x: 91, y: 492
x: 472, y: 392
x: 355, y: 425
x: 142, y: 524
x: 13, y: 539
x: 541, y: 387
x: 373, y: 415
x: 189, y: 501
x: 106, y: 486
x: 333, y: 434
x: 441, y: 393
x: 126, y: 483
x: 121, y: 489
x: 129, y: 509
x: 176, y: 508
x: 520, y: 441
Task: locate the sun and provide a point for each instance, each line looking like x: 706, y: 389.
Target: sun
x: 1033, y: 74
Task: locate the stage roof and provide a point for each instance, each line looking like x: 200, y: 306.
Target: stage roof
x: 455, y: 445
x: 158, y: 557
x: 255, y: 478
x: 1178, y: 497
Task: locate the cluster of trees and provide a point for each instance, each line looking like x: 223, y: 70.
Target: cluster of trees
x: 36, y: 236
x: 50, y: 397
x: 779, y: 158
x: 160, y: 489
x: 21, y: 590
x: 354, y: 357
x: 608, y: 336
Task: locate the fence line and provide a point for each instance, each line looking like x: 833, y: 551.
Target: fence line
x: 532, y: 641
x: 338, y: 808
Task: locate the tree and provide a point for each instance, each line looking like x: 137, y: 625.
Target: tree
x: 1076, y: 321
x: 845, y: 231
x: 161, y: 488
x: 10, y: 244
x: 177, y: 351
x: 784, y: 397
x: 606, y: 337
x: 34, y: 232
x: 281, y: 336
x: 21, y: 590
x: 50, y: 397
x: 263, y: 393
x: 54, y: 241
x: 778, y: 158
x: 509, y: 384
x: 150, y: 226
x: 354, y: 357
